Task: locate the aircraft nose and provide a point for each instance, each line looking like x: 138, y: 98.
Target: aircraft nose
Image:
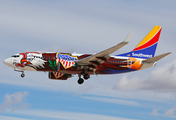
x: 7, y: 61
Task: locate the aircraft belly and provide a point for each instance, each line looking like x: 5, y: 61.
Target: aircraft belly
x: 113, y: 71
x: 28, y: 68
x: 75, y: 71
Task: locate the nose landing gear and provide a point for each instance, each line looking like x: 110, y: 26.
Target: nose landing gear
x: 20, y: 70
x: 22, y: 75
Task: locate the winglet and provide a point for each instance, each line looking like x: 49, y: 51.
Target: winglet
x: 127, y: 39
x: 154, y: 59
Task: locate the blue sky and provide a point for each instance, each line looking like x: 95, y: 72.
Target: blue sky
x: 87, y: 27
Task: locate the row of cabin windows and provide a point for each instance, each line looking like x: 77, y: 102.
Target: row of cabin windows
x: 45, y: 58
x: 72, y: 59
x: 112, y: 61
x: 31, y: 58
x: 48, y: 57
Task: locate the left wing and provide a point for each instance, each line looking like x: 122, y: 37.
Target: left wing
x: 104, y: 54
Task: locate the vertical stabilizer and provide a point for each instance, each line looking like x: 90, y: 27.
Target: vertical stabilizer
x: 147, y: 47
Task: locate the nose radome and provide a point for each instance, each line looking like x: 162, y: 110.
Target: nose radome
x: 7, y: 61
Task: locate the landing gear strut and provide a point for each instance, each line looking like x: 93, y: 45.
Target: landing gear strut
x: 20, y: 70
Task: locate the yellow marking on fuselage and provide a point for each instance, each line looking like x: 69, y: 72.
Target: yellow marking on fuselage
x: 136, y: 65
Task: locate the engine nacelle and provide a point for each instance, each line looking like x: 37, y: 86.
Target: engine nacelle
x: 147, y: 65
x: 61, y: 77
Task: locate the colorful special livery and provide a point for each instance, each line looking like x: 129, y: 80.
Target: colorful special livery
x: 62, y: 66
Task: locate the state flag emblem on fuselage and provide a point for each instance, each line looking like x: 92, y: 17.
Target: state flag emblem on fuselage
x: 66, y: 60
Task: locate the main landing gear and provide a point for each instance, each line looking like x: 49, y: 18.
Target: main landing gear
x: 80, y: 80
x: 86, y: 76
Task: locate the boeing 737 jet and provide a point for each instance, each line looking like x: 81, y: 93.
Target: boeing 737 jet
x: 61, y: 66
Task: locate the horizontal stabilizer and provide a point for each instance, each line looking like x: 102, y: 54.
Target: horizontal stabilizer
x: 156, y: 58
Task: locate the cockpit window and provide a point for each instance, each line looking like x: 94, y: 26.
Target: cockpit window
x: 15, y: 56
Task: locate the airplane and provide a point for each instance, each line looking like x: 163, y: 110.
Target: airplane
x: 61, y: 66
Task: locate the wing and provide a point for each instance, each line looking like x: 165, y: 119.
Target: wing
x: 101, y: 56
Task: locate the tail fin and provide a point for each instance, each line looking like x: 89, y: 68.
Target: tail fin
x: 147, y: 47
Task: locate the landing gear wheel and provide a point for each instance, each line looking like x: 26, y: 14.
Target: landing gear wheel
x: 80, y: 81
x: 22, y: 75
x: 86, y: 76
